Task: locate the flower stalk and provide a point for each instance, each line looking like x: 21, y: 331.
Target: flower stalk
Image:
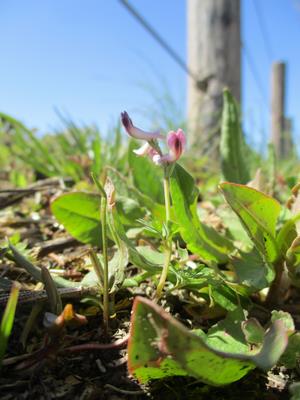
x: 168, y: 243
x: 103, y: 219
x: 103, y: 211
x: 176, y: 142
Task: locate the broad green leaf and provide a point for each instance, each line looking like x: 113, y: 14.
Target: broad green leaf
x: 8, y: 320
x: 135, y: 257
x: 200, y: 239
x: 90, y: 279
x: 274, y: 345
x: 146, y: 176
x: 253, y: 331
x: 227, y: 334
x: 159, y: 347
x: 232, y: 144
x: 151, y: 255
x: 291, y: 356
x: 129, y: 211
x: 234, y: 226
x: 287, y: 234
x: 79, y: 213
x: 258, y: 214
x: 130, y: 191
x: 286, y: 318
x: 253, y: 270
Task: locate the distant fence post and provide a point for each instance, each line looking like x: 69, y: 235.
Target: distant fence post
x: 278, y: 108
x: 288, y: 149
x: 214, y: 55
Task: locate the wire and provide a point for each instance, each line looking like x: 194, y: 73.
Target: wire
x: 264, y: 33
x: 255, y: 74
x: 159, y: 39
x: 179, y: 60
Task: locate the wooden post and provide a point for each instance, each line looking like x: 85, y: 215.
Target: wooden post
x: 288, y: 150
x: 214, y: 56
x: 277, y: 108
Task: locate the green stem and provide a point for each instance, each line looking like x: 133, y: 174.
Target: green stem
x: 97, y: 266
x: 273, y: 295
x: 105, y: 262
x: 167, y: 199
x: 168, y: 247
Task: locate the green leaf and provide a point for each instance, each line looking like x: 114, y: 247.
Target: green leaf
x: 200, y: 239
x: 274, y: 345
x: 130, y: 191
x: 292, y: 259
x: 117, y: 268
x: 195, y: 278
x: 287, y: 234
x: 54, y: 298
x: 159, y: 347
x: 8, y: 320
x: 234, y: 227
x: 129, y: 211
x: 227, y: 334
x: 146, y: 176
x: 258, y: 214
x: 135, y: 257
x: 286, y: 318
x: 291, y: 356
x: 151, y: 255
x: 252, y: 270
x: 79, y: 212
x: 212, y: 285
x: 253, y: 331
x: 232, y: 144
x: 224, y: 296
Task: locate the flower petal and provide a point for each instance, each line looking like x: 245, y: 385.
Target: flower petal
x: 171, y: 138
x: 176, y: 142
x: 136, y: 132
x: 156, y: 159
x: 143, y: 150
x: 181, y: 136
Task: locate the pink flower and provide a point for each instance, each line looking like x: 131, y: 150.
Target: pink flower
x: 136, y: 132
x: 147, y: 150
x: 176, y: 142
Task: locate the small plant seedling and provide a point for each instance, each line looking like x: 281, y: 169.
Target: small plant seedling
x: 8, y: 320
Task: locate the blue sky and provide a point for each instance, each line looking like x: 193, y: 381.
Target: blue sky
x: 91, y: 59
